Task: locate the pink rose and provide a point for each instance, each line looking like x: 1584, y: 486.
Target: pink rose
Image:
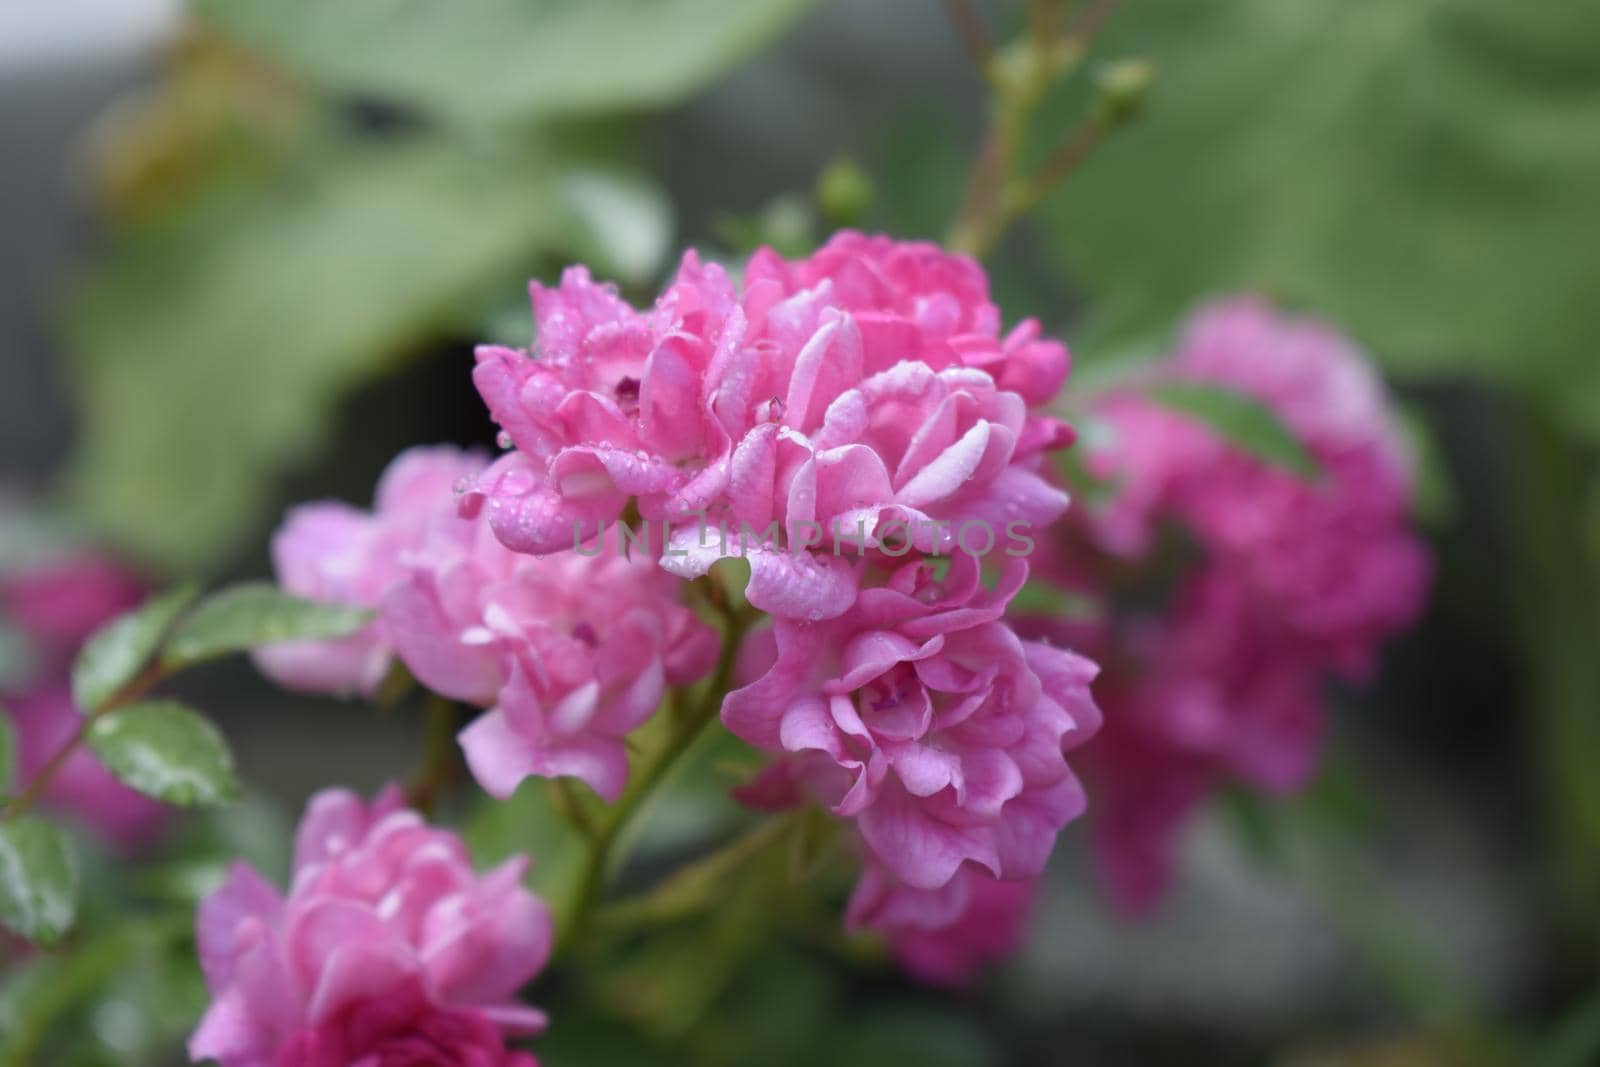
x: 831, y: 399
x: 569, y: 652
x: 923, y: 718
x: 335, y: 552
x: 945, y: 936
x: 1269, y: 582
x: 387, y: 950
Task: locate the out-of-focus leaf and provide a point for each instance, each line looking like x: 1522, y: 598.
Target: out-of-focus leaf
x: 1422, y: 173
x: 487, y: 60
x: 1241, y: 420
x: 787, y: 224
x: 1255, y: 822
x: 212, y: 343
x: 120, y: 649
x: 125, y: 994
x: 670, y: 983
x: 38, y: 880
x: 166, y: 751
x: 251, y: 614
x: 625, y: 218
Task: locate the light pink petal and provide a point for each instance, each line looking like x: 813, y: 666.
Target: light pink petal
x: 222, y: 917
x: 922, y: 851
x: 498, y: 756
x: 430, y: 644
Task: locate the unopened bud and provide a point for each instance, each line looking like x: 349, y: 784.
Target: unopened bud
x: 1121, y: 86
x: 844, y: 193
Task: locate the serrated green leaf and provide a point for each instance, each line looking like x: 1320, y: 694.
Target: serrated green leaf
x: 38, y: 880
x: 212, y: 343
x: 252, y: 614
x: 123, y: 647
x: 8, y: 754
x: 1242, y: 421
x: 479, y: 61
x: 166, y: 751
x: 1421, y: 173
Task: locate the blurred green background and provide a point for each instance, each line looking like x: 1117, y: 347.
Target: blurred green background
x: 251, y: 242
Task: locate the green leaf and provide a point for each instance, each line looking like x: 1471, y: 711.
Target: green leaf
x: 166, y: 751
x: 1241, y: 420
x: 38, y: 880
x: 251, y: 614
x: 121, y: 649
x: 1422, y: 173
x: 480, y: 61
x: 213, y: 342
x: 8, y: 753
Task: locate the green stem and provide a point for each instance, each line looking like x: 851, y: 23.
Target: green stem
x: 30, y: 795
x: 1020, y: 76
x: 440, y: 764
x: 569, y: 802
x: 691, y: 888
x: 643, y: 782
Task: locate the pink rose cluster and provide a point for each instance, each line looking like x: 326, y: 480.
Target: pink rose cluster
x: 387, y: 951
x: 55, y: 605
x: 1283, y: 580
x: 568, y: 652
x: 857, y: 401
x: 856, y: 427
x: 923, y: 719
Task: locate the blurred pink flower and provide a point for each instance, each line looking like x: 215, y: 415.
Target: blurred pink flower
x: 387, y: 951
x: 945, y: 936
x: 332, y: 551
x: 62, y: 601
x: 1336, y: 561
x: 831, y: 396
x: 924, y: 719
x: 1281, y: 582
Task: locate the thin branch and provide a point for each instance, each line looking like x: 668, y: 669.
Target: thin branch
x: 439, y: 760
x: 567, y: 801
x: 36, y: 787
x: 974, y: 37
x: 1092, y: 19
x: 686, y: 729
x: 1068, y: 157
